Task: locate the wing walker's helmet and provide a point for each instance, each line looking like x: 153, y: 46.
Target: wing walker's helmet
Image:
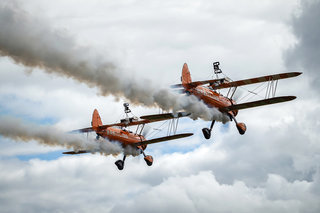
x: 126, y: 108
x: 216, y: 67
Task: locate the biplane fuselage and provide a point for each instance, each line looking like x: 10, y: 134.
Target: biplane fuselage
x: 212, y: 98
x: 123, y: 136
x: 117, y: 132
x: 227, y: 105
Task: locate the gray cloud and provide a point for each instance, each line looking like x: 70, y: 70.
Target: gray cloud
x: 273, y: 168
x: 80, y: 185
x: 306, y: 52
x: 203, y: 193
x: 18, y: 130
x: 31, y: 42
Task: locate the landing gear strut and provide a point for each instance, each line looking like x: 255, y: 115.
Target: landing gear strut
x: 207, y: 132
x: 120, y: 163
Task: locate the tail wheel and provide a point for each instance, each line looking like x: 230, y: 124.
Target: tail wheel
x: 149, y: 160
x: 119, y: 164
x: 206, y: 133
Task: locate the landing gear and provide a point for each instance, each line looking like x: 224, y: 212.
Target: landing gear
x: 242, y: 128
x: 120, y: 163
x: 148, y: 158
x: 207, y: 132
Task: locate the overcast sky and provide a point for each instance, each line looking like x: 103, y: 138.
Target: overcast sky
x: 49, y: 54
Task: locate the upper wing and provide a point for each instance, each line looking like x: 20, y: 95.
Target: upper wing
x: 148, y: 119
x: 256, y: 80
x: 167, y: 138
x: 259, y: 103
x: 165, y: 116
x: 197, y: 83
x: 145, y: 119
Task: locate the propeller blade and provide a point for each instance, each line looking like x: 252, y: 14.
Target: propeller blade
x: 146, y: 131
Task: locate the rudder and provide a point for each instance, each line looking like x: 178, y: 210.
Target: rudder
x: 185, y: 77
x: 96, y: 120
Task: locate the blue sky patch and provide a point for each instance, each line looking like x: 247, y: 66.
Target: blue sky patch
x: 45, y: 156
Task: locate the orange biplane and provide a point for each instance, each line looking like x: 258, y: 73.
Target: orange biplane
x: 117, y: 132
x: 226, y: 104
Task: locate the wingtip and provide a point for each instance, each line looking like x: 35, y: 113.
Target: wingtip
x: 292, y: 97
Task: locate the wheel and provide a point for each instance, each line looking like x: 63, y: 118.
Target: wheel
x: 241, y: 128
x: 149, y: 160
x: 119, y: 164
x: 206, y: 133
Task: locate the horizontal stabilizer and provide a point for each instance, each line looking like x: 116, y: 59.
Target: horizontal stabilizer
x: 259, y: 103
x: 89, y: 129
x: 180, y: 91
x: 76, y: 152
x: 167, y: 138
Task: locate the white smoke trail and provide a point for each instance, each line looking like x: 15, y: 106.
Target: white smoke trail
x: 31, y: 42
x: 18, y: 130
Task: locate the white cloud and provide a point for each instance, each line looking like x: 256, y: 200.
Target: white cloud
x: 79, y: 184
x: 273, y: 168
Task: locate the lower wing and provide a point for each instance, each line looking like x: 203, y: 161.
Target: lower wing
x: 167, y: 138
x: 259, y: 103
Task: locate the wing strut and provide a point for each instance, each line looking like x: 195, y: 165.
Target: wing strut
x: 271, y: 89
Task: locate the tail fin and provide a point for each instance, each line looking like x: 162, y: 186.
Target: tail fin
x: 96, y: 120
x: 186, y: 77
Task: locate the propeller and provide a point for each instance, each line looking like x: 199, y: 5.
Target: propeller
x: 146, y: 131
x: 237, y: 95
